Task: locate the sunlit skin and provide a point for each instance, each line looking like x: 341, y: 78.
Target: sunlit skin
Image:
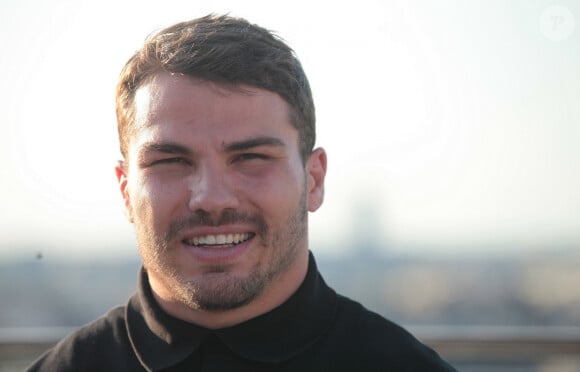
x: 209, y: 161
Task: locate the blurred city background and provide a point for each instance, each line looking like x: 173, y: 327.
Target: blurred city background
x: 453, y: 191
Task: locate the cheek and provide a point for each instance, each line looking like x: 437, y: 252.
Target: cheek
x: 154, y: 202
x: 276, y: 193
x: 142, y: 206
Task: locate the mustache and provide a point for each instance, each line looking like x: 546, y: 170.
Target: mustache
x: 226, y: 217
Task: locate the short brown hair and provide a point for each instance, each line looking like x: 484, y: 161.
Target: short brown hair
x: 221, y: 49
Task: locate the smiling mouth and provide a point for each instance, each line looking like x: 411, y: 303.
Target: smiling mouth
x: 219, y: 240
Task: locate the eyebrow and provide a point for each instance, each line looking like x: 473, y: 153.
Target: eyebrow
x: 253, y: 142
x: 166, y: 148
x: 175, y: 148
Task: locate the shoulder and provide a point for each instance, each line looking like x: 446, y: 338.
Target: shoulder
x: 354, y: 319
x: 365, y: 335
x: 100, y: 345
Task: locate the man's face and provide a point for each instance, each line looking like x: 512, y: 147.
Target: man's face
x: 216, y: 189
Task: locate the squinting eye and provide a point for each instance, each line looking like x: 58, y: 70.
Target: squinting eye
x: 172, y: 161
x: 250, y: 156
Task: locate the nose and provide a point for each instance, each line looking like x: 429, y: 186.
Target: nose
x: 212, y: 192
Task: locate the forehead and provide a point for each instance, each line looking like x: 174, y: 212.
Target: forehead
x: 175, y: 93
x: 173, y: 104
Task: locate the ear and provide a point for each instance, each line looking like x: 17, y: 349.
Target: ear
x: 315, y: 173
x: 121, y: 172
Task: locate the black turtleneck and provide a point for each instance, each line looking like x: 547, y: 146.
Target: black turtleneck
x: 314, y: 330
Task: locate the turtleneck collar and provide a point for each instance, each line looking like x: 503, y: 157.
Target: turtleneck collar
x: 160, y: 340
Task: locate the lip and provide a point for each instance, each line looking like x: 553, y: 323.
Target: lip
x: 217, y: 254
x: 220, y: 230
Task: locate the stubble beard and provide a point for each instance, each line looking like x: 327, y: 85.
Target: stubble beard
x: 220, y: 290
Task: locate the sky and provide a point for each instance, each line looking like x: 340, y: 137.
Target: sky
x: 452, y: 127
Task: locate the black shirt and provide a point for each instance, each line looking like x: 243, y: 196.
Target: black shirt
x: 314, y: 330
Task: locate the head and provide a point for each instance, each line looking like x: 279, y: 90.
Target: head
x: 225, y: 50
x: 216, y: 124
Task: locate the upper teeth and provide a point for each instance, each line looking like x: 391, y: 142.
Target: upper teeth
x: 220, y: 239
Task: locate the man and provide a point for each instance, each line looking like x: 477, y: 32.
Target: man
x: 216, y: 126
